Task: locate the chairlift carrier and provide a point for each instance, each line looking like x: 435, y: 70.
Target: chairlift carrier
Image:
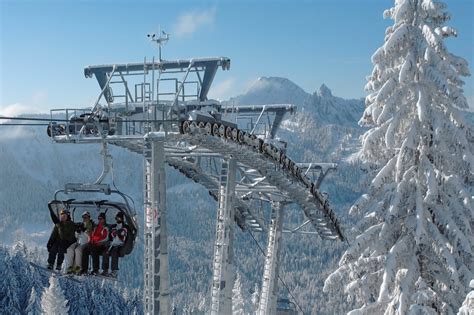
x: 104, y: 205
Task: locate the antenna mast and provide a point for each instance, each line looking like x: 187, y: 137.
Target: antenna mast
x: 160, y: 40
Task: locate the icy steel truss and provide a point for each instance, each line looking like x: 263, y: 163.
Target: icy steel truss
x: 269, y: 296
x: 222, y: 279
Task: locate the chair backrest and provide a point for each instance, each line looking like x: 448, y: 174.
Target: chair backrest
x: 129, y: 241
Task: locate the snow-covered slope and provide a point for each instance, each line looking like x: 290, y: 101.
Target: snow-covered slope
x: 335, y: 110
x: 326, y: 108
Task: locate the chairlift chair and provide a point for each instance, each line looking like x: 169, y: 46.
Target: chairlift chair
x: 99, y: 205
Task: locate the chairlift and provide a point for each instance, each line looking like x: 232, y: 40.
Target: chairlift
x: 127, y: 208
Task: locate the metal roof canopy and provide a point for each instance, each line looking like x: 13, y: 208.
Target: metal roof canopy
x: 208, y: 65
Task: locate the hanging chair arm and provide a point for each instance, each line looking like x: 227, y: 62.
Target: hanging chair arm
x: 106, y: 163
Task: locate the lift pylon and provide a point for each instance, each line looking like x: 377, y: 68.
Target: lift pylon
x: 223, y: 261
x: 156, y: 274
x: 268, y: 299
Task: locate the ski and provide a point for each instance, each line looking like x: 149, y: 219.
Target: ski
x: 55, y: 272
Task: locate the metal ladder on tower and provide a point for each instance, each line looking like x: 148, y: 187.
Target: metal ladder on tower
x: 223, y: 275
x: 148, y: 232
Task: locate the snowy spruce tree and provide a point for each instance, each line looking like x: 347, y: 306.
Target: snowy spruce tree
x: 255, y: 299
x: 467, y: 307
x: 34, y: 303
x: 414, y: 249
x: 238, y: 306
x: 53, y: 301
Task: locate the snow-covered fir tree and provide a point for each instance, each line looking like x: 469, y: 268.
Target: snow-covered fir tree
x: 414, y: 251
x: 202, y: 303
x: 9, y: 286
x: 255, y: 299
x: 53, y: 300
x: 467, y: 307
x: 238, y: 306
x: 34, y: 303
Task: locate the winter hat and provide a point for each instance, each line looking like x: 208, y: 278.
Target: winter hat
x: 102, y: 215
x: 86, y: 213
x: 119, y: 215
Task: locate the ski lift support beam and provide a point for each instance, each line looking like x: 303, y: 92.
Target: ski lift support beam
x: 156, y: 269
x: 223, y: 261
x: 210, y: 66
x: 268, y: 300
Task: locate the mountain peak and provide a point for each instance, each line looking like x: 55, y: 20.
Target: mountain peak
x: 324, y: 91
x: 272, y: 90
x: 264, y: 82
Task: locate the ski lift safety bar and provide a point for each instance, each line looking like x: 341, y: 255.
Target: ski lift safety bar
x: 71, y: 187
x: 95, y: 188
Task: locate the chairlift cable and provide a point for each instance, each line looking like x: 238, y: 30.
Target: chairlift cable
x: 67, y: 120
x: 32, y: 119
x: 8, y: 124
x: 280, y: 278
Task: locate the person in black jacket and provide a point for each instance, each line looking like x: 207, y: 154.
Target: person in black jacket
x: 62, y: 236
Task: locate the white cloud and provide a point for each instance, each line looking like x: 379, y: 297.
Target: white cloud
x: 223, y: 89
x: 35, y: 104
x: 18, y: 109
x: 190, y: 22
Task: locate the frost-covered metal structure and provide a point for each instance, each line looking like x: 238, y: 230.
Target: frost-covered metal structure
x: 161, y: 110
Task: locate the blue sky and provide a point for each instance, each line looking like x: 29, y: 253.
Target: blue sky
x: 46, y: 44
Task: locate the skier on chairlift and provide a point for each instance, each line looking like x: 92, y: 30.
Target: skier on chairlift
x: 96, y: 246
x: 62, y: 236
x: 118, y: 235
x: 75, y: 251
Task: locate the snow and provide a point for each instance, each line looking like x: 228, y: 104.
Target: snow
x: 419, y: 199
x: 290, y: 125
x: 467, y: 307
x: 53, y: 300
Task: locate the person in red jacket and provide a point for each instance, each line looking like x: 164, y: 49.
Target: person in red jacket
x: 97, y: 245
